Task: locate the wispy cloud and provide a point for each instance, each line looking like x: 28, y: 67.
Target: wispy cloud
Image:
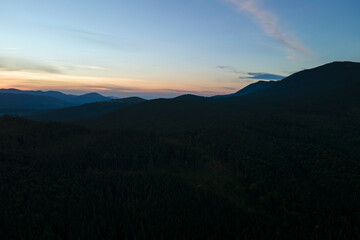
x: 269, y: 22
x: 9, y: 63
x: 87, y: 35
x: 251, y: 75
x: 263, y: 76
x: 92, y: 67
x: 17, y: 64
x: 228, y: 69
x: 90, y: 36
x: 95, y: 38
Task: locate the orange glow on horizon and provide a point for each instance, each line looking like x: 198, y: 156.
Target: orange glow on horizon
x: 49, y: 81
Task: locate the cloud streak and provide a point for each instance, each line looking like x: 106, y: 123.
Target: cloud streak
x: 12, y: 49
x: 92, y: 67
x: 15, y: 64
x: 228, y: 69
x: 263, y: 76
x: 251, y: 75
x: 269, y: 23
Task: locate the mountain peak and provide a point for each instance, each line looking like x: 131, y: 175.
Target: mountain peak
x: 91, y: 97
x: 93, y: 94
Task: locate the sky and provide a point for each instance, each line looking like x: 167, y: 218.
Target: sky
x: 165, y: 48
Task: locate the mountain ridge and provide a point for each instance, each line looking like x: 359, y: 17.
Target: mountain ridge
x: 28, y: 102
x: 250, y: 89
x: 18, y: 102
x: 75, y: 99
x: 302, y: 91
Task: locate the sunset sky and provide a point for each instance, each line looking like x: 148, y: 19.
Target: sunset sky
x: 164, y: 48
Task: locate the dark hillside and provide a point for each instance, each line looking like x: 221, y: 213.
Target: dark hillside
x: 280, y: 175
x: 77, y: 113
x: 250, y: 89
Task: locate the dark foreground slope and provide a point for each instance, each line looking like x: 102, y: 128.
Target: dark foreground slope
x: 288, y: 176
x: 160, y: 114
x: 65, y: 182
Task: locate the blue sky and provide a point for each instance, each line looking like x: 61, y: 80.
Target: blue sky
x: 163, y: 48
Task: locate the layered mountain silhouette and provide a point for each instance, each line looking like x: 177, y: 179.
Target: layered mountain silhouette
x: 330, y: 87
x: 70, y: 98
x: 18, y: 102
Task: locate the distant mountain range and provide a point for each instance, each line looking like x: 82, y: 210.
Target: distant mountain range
x: 18, y: 102
x: 69, y: 98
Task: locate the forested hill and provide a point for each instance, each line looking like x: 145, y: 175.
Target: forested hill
x: 339, y: 81
x: 269, y: 176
